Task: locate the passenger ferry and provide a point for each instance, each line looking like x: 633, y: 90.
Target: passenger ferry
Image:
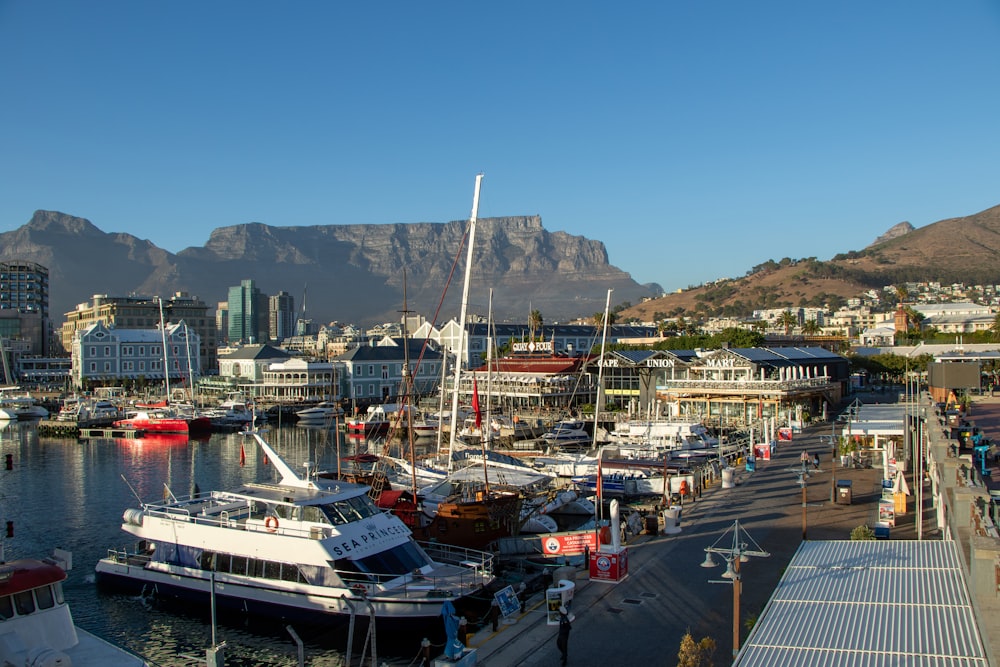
x: 302, y: 548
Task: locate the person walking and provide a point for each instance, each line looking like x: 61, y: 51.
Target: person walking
x: 816, y: 461
x: 562, y: 640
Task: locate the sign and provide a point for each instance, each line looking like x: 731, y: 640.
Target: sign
x: 568, y: 544
x: 609, y: 566
x: 537, y: 346
x: 507, y: 600
x: 762, y: 451
x: 785, y: 433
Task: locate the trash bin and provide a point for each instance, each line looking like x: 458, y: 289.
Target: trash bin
x: 727, y: 478
x: 751, y: 464
x: 844, y: 492
x: 671, y: 519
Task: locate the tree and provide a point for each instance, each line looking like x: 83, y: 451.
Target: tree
x: 599, y: 319
x: 811, y: 328
x: 995, y: 329
x: 534, y: 322
x: 788, y: 320
x: 693, y: 654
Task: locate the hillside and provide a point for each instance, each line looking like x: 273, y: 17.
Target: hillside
x: 955, y: 250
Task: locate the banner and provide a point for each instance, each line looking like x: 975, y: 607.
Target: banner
x: 568, y: 544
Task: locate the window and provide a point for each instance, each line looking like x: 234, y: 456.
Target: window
x: 6, y: 607
x: 371, y: 370
x: 107, y: 350
x: 44, y: 597
x: 24, y: 603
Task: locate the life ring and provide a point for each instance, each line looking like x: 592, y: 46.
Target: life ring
x: 271, y: 523
x: 359, y: 589
x: 684, y: 488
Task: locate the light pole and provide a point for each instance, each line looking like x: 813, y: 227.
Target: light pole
x: 738, y: 552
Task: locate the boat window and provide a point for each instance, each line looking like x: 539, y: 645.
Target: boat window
x: 256, y: 568
x: 6, y: 607
x: 44, y: 598
x: 24, y: 602
x: 239, y: 565
x: 364, y: 506
x: 290, y: 572
x: 57, y: 589
x: 314, y: 514
x: 272, y: 570
x: 399, y: 560
x: 286, y: 512
x: 334, y: 514
x: 347, y: 508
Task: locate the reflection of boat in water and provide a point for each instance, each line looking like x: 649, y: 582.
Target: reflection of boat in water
x: 299, y: 548
x: 36, y: 625
x: 155, y: 439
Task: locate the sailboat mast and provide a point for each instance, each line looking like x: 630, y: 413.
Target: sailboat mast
x: 166, y: 369
x: 460, y: 349
x: 408, y: 389
x: 486, y: 429
x: 597, y: 402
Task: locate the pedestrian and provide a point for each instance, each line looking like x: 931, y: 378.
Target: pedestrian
x: 562, y: 640
x: 816, y: 461
x: 804, y: 457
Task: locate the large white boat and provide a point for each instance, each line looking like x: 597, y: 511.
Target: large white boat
x: 303, y: 548
x: 36, y: 625
x: 570, y: 434
x: 322, y: 412
x: 22, y: 407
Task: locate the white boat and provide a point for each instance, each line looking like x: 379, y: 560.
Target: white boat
x: 235, y: 412
x: 323, y: 411
x: 36, y: 625
x: 665, y: 434
x: 569, y: 434
x: 301, y: 548
x: 21, y: 408
x: 76, y: 409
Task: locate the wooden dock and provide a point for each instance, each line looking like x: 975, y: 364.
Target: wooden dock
x: 87, y: 429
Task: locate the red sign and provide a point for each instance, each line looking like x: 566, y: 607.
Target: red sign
x: 785, y: 433
x: 569, y: 544
x: 609, y: 566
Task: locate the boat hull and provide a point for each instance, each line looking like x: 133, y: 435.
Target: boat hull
x: 331, y: 608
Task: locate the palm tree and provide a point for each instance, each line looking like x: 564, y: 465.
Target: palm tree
x: 995, y: 329
x: 811, y: 328
x: 788, y: 320
x: 534, y: 322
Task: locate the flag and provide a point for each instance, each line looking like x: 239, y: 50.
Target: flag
x: 243, y: 456
x: 475, y: 403
x: 265, y: 459
x: 600, y: 481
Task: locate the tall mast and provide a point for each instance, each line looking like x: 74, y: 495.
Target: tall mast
x: 460, y: 348
x: 408, y: 389
x: 486, y: 429
x: 597, y: 404
x: 163, y: 334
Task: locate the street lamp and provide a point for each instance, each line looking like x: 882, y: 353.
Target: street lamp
x: 738, y: 552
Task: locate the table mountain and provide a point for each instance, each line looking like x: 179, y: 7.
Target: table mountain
x: 353, y: 272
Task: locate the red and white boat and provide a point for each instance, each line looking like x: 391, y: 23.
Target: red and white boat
x: 154, y: 422
x: 376, y: 420
x: 36, y: 626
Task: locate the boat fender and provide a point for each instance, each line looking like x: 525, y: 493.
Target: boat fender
x: 271, y: 523
x: 133, y: 516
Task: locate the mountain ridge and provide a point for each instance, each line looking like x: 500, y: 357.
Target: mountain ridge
x: 352, y: 272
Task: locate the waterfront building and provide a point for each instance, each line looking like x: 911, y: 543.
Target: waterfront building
x: 298, y: 380
x: 104, y: 355
x: 734, y: 386
x: 242, y: 369
x: 143, y: 312
x: 374, y: 373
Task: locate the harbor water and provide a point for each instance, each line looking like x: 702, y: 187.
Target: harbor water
x: 71, y: 494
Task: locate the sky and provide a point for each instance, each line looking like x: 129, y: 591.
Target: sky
x: 695, y: 139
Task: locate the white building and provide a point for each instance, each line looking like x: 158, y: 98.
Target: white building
x: 107, y: 355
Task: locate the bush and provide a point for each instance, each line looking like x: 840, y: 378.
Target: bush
x: 862, y: 533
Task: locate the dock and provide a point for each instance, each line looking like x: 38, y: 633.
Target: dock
x: 85, y: 429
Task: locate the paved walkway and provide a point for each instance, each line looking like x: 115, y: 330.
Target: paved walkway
x: 668, y: 593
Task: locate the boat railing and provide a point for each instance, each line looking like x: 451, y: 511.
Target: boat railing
x: 470, y: 570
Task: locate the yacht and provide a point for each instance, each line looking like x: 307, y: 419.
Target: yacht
x: 20, y: 408
x: 36, y: 625
x: 571, y: 434
x: 322, y: 412
x: 303, y: 547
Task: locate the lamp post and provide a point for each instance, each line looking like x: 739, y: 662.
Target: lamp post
x: 739, y: 551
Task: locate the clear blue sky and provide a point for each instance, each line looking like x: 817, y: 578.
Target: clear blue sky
x: 695, y: 139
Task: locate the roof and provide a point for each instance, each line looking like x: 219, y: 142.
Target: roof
x: 857, y: 603
x: 256, y: 352
x: 364, y: 353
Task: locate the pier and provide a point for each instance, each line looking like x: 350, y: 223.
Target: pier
x: 85, y: 429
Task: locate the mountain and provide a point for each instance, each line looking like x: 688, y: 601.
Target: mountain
x: 955, y: 250
x: 349, y: 272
